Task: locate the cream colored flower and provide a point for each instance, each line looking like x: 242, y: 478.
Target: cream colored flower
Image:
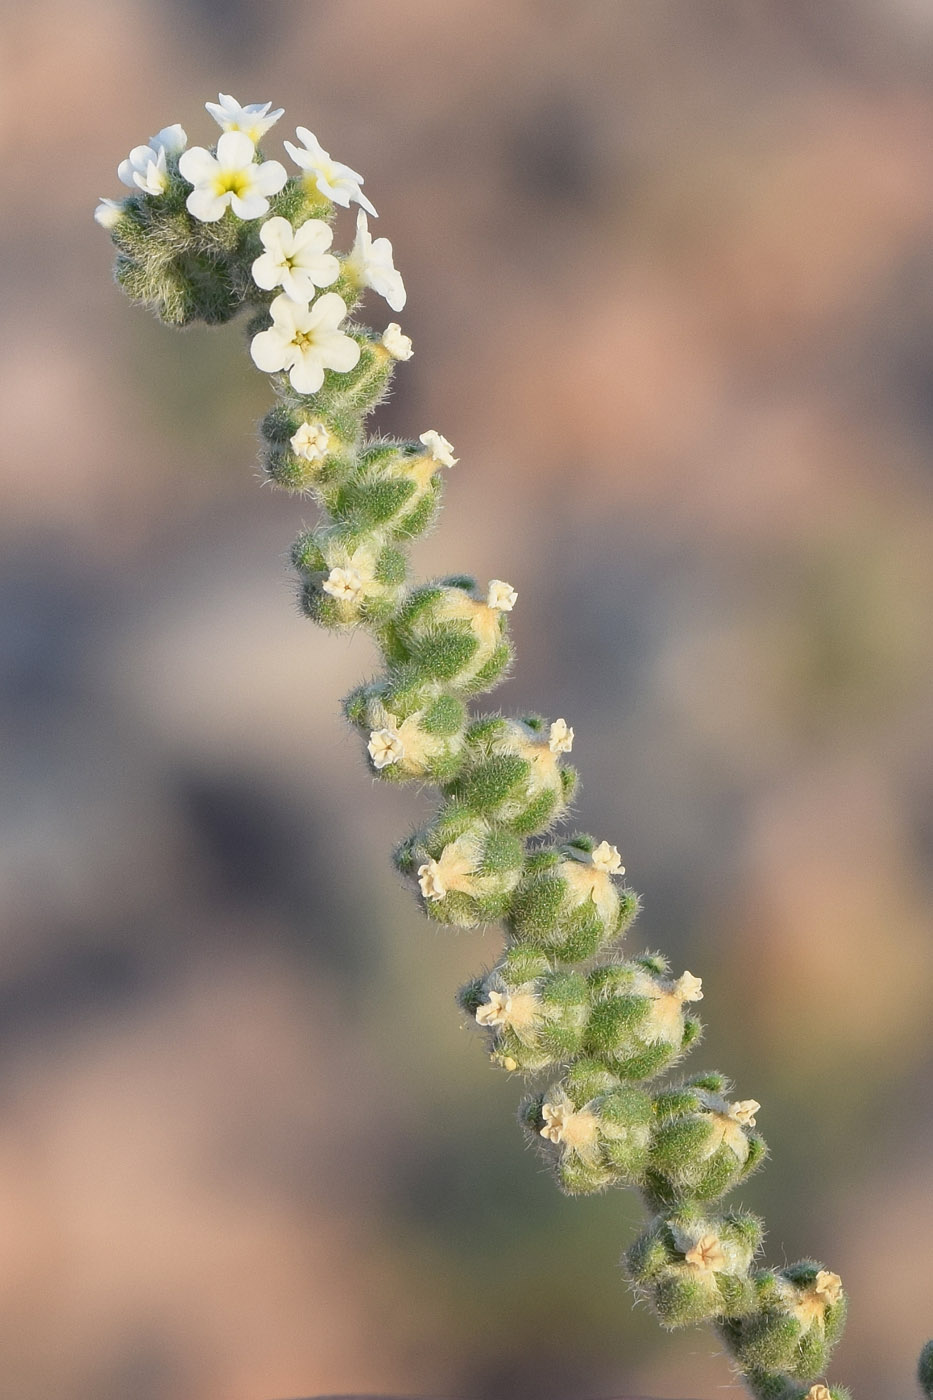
x: 334, y: 180
x: 689, y: 988
x: 311, y: 442
x: 560, y: 737
x: 495, y: 1011
x: 296, y: 259
x: 706, y: 1254
x: 440, y: 449
x: 556, y: 1116
x: 744, y: 1111
x: 369, y: 264
x: 827, y: 1286
x: 108, y: 212
x: 345, y: 584
x: 385, y: 747
x: 254, y: 120
x: 230, y: 180
x: 607, y: 858
x: 818, y: 1392
x: 305, y: 340
x: 501, y: 596
x: 431, y: 880
x: 576, y: 1130
x: 397, y: 344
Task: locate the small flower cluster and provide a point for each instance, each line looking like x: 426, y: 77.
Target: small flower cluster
x: 206, y: 232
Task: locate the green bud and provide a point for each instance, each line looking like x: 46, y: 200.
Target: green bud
x: 925, y: 1371
x: 300, y: 453
x: 569, y: 906
x: 638, y: 1023
x: 798, y: 1316
x: 591, y: 1139
x: 531, y: 1021
x: 703, y: 1144
x: 694, y: 1267
x: 411, y: 731
x: 451, y: 636
x: 513, y: 775
x: 396, y: 488
x: 348, y: 578
x: 465, y: 868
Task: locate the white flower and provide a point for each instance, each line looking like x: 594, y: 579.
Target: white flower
x: 689, y: 988
x: 345, y: 584
x: 145, y: 167
x: 818, y: 1392
x: 385, y: 747
x: 296, y: 259
x: 607, y: 858
x: 560, y: 737
x: 501, y: 595
x: 577, y: 1130
x: 108, y: 212
x: 706, y: 1254
x: 440, y: 449
x: 744, y: 1112
x: 431, y: 881
x: 254, y: 120
x: 335, y: 181
x: 311, y: 442
x: 495, y: 1011
x: 370, y: 264
x: 305, y: 340
x: 231, y: 179
x: 397, y: 344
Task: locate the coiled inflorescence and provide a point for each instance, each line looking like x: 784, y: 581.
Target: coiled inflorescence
x: 204, y: 234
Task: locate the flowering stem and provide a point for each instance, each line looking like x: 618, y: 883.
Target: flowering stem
x: 562, y: 1001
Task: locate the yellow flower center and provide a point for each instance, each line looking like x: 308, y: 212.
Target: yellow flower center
x: 232, y: 182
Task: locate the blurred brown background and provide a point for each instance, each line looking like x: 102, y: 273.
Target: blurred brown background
x: 669, y: 270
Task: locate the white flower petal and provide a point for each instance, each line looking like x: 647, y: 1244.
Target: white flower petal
x: 197, y: 165
x: 271, y: 350
x: 270, y: 175
x: 206, y: 206
x: 235, y: 151
x: 249, y: 205
x: 306, y: 375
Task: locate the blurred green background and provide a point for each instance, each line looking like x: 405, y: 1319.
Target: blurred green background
x: 669, y: 270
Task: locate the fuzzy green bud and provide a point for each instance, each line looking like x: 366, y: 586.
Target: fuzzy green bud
x: 594, y: 1131
x: 464, y: 867
x: 348, y: 578
x: 572, y: 902
x: 411, y: 730
x: 694, y: 1267
x: 396, y: 488
x: 638, y: 1024
x: 300, y: 453
x: 704, y: 1144
x: 531, y: 1020
x: 514, y: 775
x: 925, y: 1371
x: 798, y: 1317
x: 452, y: 635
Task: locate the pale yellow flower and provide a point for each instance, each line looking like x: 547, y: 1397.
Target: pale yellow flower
x: 560, y: 737
x: 397, y: 344
x: 440, y: 449
x: 706, y: 1254
x: 345, y: 584
x: 431, y: 881
x: 385, y: 747
x: 607, y: 859
x: 495, y: 1011
x: 311, y: 442
x: 501, y: 596
x: 828, y: 1286
x: 744, y: 1112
